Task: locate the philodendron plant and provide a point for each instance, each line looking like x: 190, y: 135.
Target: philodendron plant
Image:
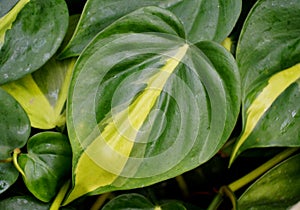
x: 100, y: 107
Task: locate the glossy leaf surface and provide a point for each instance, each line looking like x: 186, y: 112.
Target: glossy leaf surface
x: 15, y: 130
x: 145, y: 107
x: 36, y: 30
x: 8, y: 176
x: 202, y: 19
x: 268, y: 55
x: 46, y: 165
x: 139, y: 202
x: 43, y: 93
x: 24, y: 203
x: 277, y: 189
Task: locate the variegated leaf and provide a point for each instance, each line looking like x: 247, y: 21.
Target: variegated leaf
x: 30, y: 33
x: 43, y: 93
x: 268, y: 58
x: 146, y: 106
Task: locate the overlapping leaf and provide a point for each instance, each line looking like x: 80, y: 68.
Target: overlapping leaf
x: 268, y: 56
x: 144, y: 107
x: 15, y: 130
x: 43, y: 94
x: 30, y: 34
x: 24, y: 203
x: 202, y: 19
x: 46, y: 165
x: 139, y: 202
x: 277, y: 189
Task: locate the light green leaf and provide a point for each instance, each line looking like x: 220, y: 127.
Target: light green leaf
x: 139, y: 202
x: 43, y: 94
x: 202, y: 19
x: 36, y: 30
x: 46, y: 165
x: 15, y: 130
x: 277, y: 189
x: 145, y: 107
x: 268, y: 58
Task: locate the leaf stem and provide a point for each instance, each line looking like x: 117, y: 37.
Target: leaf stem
x: 8, y: 160
x: 218, y: 199
x: 234, y: 186
x: 100, y: 201
x: 17, y: 151
x: 60, y: 196
x: 182, y: 185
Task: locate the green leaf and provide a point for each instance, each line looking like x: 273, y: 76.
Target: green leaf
x: 137, y: 201
x: 277, y: 189
x: 36, y: 30
x: 43, y: 94
x: 6, y: 6
x: 24, y: 203
x: 8, y: 176
x: 8, y: 19
x: 268, y: 55
x: 129, y: 108
x: 15, y: 130
x: 202, y: 19
x: 47, y: 164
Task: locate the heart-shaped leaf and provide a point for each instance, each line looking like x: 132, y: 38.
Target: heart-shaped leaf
x: 43, y: 93
x: 15, y: 130
x: 137, y: 201
x: 202, y: 19
x: 277, y: 189
x: 268, y: 58
x: 145, y: 107
x: 46, y: 165
x: 29, y: 35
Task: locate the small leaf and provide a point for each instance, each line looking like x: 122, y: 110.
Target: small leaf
x: 15, y: 130
x: 137, y: 201
x: 33, y: 38
x: 202, y: 19
x: 46, y: 165
x: 268, y: 58
x: 8, y: 176
x: 24, y: 203
x: 129, y: 118
x: 125, y: 201
x: 43, y: 94
x: 278, y: 189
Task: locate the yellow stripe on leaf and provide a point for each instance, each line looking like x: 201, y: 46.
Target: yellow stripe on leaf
x: 33, y: 101
x: 105, y: 158
x: 7, y: 20
x: 38, y: 108
x: 277, y: 84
